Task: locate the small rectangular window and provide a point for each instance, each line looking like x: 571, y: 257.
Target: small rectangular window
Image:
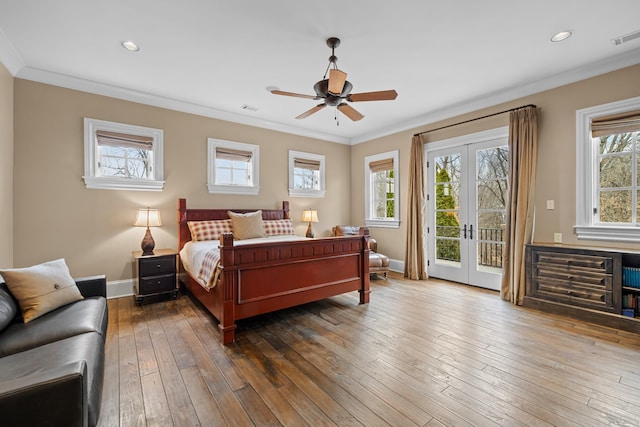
x: 306, y: 174
x: 121, y: 156
x: 232, y: 167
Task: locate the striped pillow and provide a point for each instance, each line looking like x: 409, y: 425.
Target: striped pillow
x: 209, y: 230
x: 277, y: 227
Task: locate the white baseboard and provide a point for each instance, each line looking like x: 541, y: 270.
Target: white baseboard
x: 396, y: 265
x: 120, y: 288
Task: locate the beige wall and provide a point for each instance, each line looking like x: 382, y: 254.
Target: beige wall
x: 56, y: 216
x: 6, y: 168
x: 555, y: 177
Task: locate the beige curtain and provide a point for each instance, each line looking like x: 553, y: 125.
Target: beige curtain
x: 414, y: 260
x: 523, y: 149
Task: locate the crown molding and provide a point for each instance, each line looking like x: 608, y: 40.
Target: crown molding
x: 624, y: 60
x: 9, y: 56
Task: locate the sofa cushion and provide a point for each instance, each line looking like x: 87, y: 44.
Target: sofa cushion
x: 41, y: 288
x: 87, y: 315
x: 35, y: 363
x: 8, y: 307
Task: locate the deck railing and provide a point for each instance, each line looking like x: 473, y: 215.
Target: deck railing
x: 490, y: 245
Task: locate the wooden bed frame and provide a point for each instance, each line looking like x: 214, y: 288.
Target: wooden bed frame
x: 261, y: 278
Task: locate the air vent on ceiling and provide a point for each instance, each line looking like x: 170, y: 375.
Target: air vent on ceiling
x: 626, y: 38
x: 249, y: 107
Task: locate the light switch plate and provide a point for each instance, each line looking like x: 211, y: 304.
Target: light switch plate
x: 550, y: 204
x: 557, y: 237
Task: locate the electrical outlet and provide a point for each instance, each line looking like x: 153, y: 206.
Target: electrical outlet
x: 557, y: 237
x: 550, y: 204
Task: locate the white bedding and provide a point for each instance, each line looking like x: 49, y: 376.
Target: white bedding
x: 201, y: 259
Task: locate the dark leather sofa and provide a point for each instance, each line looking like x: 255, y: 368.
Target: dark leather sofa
x: 52, y: 368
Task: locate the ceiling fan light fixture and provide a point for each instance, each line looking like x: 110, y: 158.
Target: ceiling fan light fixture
x: 336, y: 81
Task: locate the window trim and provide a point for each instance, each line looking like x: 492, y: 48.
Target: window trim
x: 212, y: 187
x: 298, y: 192
x: 375, y: 222
x: 91, y: 126
x: 586, y: 155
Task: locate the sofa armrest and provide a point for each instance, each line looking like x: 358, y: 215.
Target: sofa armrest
x: 54, y: 397
x: 92, y: 286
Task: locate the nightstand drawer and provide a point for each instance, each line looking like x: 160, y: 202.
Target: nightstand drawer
x: 152, y: 285
x: 156, y: 266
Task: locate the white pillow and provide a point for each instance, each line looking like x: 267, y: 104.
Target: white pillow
x: 41, y: 288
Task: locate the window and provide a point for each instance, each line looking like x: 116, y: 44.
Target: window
x: 382, y: 190
x: 306, y: 174
x: 232, y: 167
x: 122, y: 156
x: 608, y: 172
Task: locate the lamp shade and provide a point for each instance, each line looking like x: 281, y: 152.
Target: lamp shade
x: 310, y: 216
x: 148, y: 217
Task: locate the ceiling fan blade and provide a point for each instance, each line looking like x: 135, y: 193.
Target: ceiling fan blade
x: 350, y: 112
x: 311, y: 111
x: 297, y: 95
x: 383, y: 95
x: 336, y: 81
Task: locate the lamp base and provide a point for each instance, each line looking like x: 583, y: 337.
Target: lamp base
x: 309, y: 232
x: 148, y: 243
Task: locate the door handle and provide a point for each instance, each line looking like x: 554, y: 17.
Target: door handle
x: 471, y: 232
x: 464, y: 231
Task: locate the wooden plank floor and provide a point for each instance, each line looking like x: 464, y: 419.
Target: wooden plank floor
x: 420, y: 353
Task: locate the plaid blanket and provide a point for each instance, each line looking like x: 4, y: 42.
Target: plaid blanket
x: 209, y: 271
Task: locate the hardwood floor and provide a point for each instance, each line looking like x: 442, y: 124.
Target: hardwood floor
x: 420, y: 353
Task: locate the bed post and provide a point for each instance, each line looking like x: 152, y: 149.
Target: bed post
x: 183, y: 230
x: 227, y: 325
x: 365, y: 290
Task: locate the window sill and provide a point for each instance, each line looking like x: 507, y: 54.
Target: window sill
x: 382, y: 223
x: 306, y: 193
x: 233, y: 189
x: 612, y: 234
x: 122, y: 184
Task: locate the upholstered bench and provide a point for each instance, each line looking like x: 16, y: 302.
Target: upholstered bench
x: 378, y: 263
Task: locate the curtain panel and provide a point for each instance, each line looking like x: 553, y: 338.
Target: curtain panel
x: 523, y: 151
x: 414, y: 262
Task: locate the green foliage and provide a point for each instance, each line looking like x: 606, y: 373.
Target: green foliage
x: 447, y: 223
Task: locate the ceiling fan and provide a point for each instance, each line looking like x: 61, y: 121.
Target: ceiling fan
x: 337, y: 89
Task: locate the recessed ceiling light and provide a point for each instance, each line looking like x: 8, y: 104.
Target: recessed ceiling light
x: 129, y: 45
x: 562, y: 35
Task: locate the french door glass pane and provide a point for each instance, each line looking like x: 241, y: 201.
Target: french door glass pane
x: 447, y: 193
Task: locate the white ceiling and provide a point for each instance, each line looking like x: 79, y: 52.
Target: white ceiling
x: 210, y: 57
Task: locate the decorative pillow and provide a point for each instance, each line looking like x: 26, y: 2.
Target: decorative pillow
x: 8, y: 307
x: 209, y: 230
x: 278, y: 227
x: 41, y: 288
x: 247, y: 226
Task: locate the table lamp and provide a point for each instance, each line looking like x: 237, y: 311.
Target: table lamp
x: 310, y: 216
x: 148, y: 217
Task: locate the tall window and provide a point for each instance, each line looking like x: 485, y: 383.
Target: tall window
x: 232, y: 167
x: 306, y: 174
x: 381, y: 192
x: 121, y: 156
x: 609, y: 172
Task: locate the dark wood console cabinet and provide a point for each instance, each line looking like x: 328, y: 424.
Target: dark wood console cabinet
x: 581, y: 282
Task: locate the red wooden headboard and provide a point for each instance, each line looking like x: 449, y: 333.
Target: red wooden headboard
x: 184, y: 215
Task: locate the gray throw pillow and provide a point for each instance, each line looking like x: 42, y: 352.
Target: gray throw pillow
x: 8, y: 307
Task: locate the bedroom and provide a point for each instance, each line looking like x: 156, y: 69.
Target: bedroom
x: 41, y: 167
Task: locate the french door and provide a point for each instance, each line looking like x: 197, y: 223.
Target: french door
x: 467, y: 189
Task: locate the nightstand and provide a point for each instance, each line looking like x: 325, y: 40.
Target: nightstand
x: 155, y: 274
